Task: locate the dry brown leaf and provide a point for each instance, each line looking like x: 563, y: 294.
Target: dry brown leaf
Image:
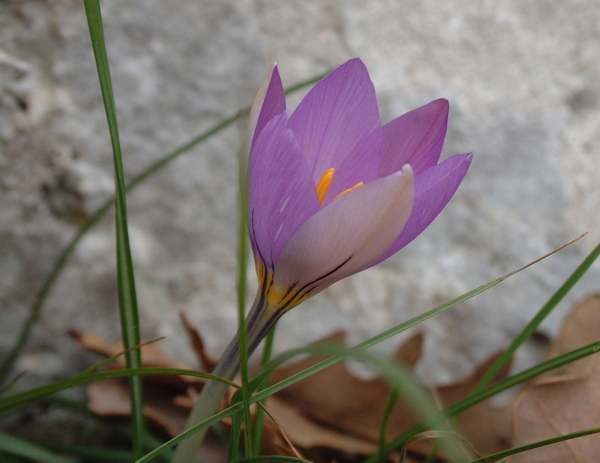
x: 342, y: 401
x: 208, y: 363
x: 152, y: 356
x: 354, y: 407
x: 567, y: 400
x: 111, y: 398
x: 306, y: 434
x: 163, y: 394
x: 485, y: 426
x: 331, y: 416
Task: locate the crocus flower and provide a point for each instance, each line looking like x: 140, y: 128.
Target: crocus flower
x: 332, y: 192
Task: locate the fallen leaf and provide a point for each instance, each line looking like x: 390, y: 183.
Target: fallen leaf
x: 167, y: 398
x: 353, y: 407
x: 566, y: 400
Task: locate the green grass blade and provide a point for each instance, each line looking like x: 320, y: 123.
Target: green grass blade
x: 259, y: 414
x: 424, y: 406
x: 20, y: 399
x: 272, y: 459
x: 25, y: 449
x: 124, y: 429
x: 535, y: 445
x: 397, y: 443
x: 540, y: 316
x: 491, y: 391
x: 394, y: 396
x: 241, y: 303
x: 36, y: 308
x: 128, y: 310
x: 100, y: 454
x: 451, y: 411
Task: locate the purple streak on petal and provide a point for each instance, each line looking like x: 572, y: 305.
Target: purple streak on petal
x: 281, y: 192
x: 335, y: 116
x: 433, y: 189
x: 269, y: 101
x: 415, y: 138
x: 362, y: 165
x: 349, y: 235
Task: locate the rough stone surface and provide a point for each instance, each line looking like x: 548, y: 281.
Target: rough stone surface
x: 523, y: 80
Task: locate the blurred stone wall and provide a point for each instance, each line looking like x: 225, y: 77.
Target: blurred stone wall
x: 523, y: 80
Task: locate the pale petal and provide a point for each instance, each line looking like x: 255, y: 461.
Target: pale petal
x: 434, y: 187
x: 269, y: 101
x: 415, y: 138
x: 347, y: 236
x: 336, y: 116
x: 280, y: 189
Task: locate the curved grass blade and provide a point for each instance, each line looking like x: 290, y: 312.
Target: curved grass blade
x: 90, y: 453
x: 25, y: 449
x: 535, y: 445
x: 539, y: 317
x: 424, y: 406
x: 150, y: 441
x: 491, y: 391
x: 20, y: 399
x: 394, y: 396
x: 266, y: 369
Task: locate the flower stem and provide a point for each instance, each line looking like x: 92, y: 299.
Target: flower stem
x: 259, y: 321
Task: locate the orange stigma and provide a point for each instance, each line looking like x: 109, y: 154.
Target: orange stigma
x: 324, y: 184
x: 358, y: 185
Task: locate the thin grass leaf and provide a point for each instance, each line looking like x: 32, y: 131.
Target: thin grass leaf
x: 14, y: 401
x: 535, y: 445
x: 237, y: 420
x: 272, y: 459
x: 35, y: 311
x: 128, y: 310
x: 539, y: 318
x: 533, y: 325
x: 90, y: 453
x: 259, y: 416
x: 150, y: 441
x: 241, y: 302
x: 25, y: 449
x: 424, y: 406
x: 491, y: 391
x: 266, y: 369
x: 451, y: 411
x: 394, y: 395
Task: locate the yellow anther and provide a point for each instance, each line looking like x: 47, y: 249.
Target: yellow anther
x: 358, y: 185
x: 324, y: 184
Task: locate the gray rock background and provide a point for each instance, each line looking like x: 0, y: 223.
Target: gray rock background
x: 523, y: 80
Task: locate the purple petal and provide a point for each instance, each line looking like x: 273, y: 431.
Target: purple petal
x: 347, y: 236
x: 281, y: 192
x: 433, y: 189
x: 415, y: 138
x: 336, y: 116
x: 269, y: 101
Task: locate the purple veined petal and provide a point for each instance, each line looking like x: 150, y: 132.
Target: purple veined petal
x: 281, y: 193
x: 415, y: 138
x: 335, y: 116
x: 269, y: 101
x: 434, y: 187
x: 362, y: 165
x: 347, y: 236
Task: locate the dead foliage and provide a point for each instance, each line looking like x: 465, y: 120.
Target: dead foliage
x: 336, y: 416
